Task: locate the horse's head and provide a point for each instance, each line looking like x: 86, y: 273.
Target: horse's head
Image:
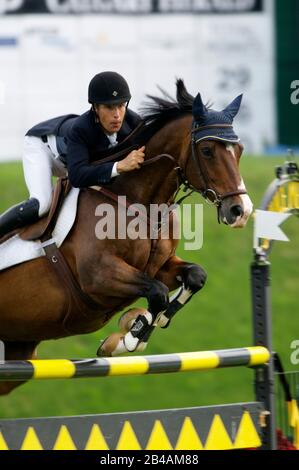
x: 214, y: 166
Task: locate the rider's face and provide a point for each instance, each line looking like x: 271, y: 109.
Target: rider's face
x: 111, y: 116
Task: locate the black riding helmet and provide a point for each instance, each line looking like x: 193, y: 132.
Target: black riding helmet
x: 108, y: 88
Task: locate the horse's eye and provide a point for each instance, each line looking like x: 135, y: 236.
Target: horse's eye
x: 207, y: 152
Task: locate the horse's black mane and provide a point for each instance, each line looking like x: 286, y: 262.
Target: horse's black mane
x: 163, y: 109
x: 160, y: 110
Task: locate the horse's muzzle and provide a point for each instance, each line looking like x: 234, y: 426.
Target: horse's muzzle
x: 236, y: 211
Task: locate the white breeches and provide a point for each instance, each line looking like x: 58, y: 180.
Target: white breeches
x: 40, y: 163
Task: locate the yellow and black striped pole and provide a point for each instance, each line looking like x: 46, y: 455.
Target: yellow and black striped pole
x: 136, y: 365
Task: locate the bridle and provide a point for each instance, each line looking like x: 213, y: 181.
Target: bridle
x: 209, y: 194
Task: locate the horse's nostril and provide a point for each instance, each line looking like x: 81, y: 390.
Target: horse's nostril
x: 237, y: 210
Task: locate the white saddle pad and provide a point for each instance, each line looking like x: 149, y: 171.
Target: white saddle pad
x: 15, y: 250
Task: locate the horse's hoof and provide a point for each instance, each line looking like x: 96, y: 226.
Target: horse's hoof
x: 113, y: 345
x: 99, y: 352
x: 127, y: 319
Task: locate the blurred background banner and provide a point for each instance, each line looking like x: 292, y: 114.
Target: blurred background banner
x: 50, y: 49
x: 128, y: 6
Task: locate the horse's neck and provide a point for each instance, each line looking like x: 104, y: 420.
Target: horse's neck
x: 157, y: 182
x: 153, y: 183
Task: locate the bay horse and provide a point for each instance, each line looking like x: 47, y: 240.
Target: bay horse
x: 197, y: 147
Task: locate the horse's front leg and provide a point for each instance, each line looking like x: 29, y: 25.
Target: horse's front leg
x: 127, y: 282
x: 189, y: 277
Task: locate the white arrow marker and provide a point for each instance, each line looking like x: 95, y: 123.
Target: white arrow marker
x: 266, y: 225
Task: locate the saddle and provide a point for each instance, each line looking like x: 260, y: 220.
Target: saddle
x: 46, y: 224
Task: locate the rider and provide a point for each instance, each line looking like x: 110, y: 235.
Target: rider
x: 68, y: 144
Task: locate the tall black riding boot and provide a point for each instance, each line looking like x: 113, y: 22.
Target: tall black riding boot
x: 18, y: 216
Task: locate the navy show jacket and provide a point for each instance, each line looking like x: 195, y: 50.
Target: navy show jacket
x: 79, y: 141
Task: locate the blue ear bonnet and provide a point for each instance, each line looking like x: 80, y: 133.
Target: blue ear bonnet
x: 215, y: 125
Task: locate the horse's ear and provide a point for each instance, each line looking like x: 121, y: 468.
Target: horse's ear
x: 232, y: 109
x: 199, y: 110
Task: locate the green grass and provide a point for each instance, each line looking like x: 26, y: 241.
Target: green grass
x: 219, y: 317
